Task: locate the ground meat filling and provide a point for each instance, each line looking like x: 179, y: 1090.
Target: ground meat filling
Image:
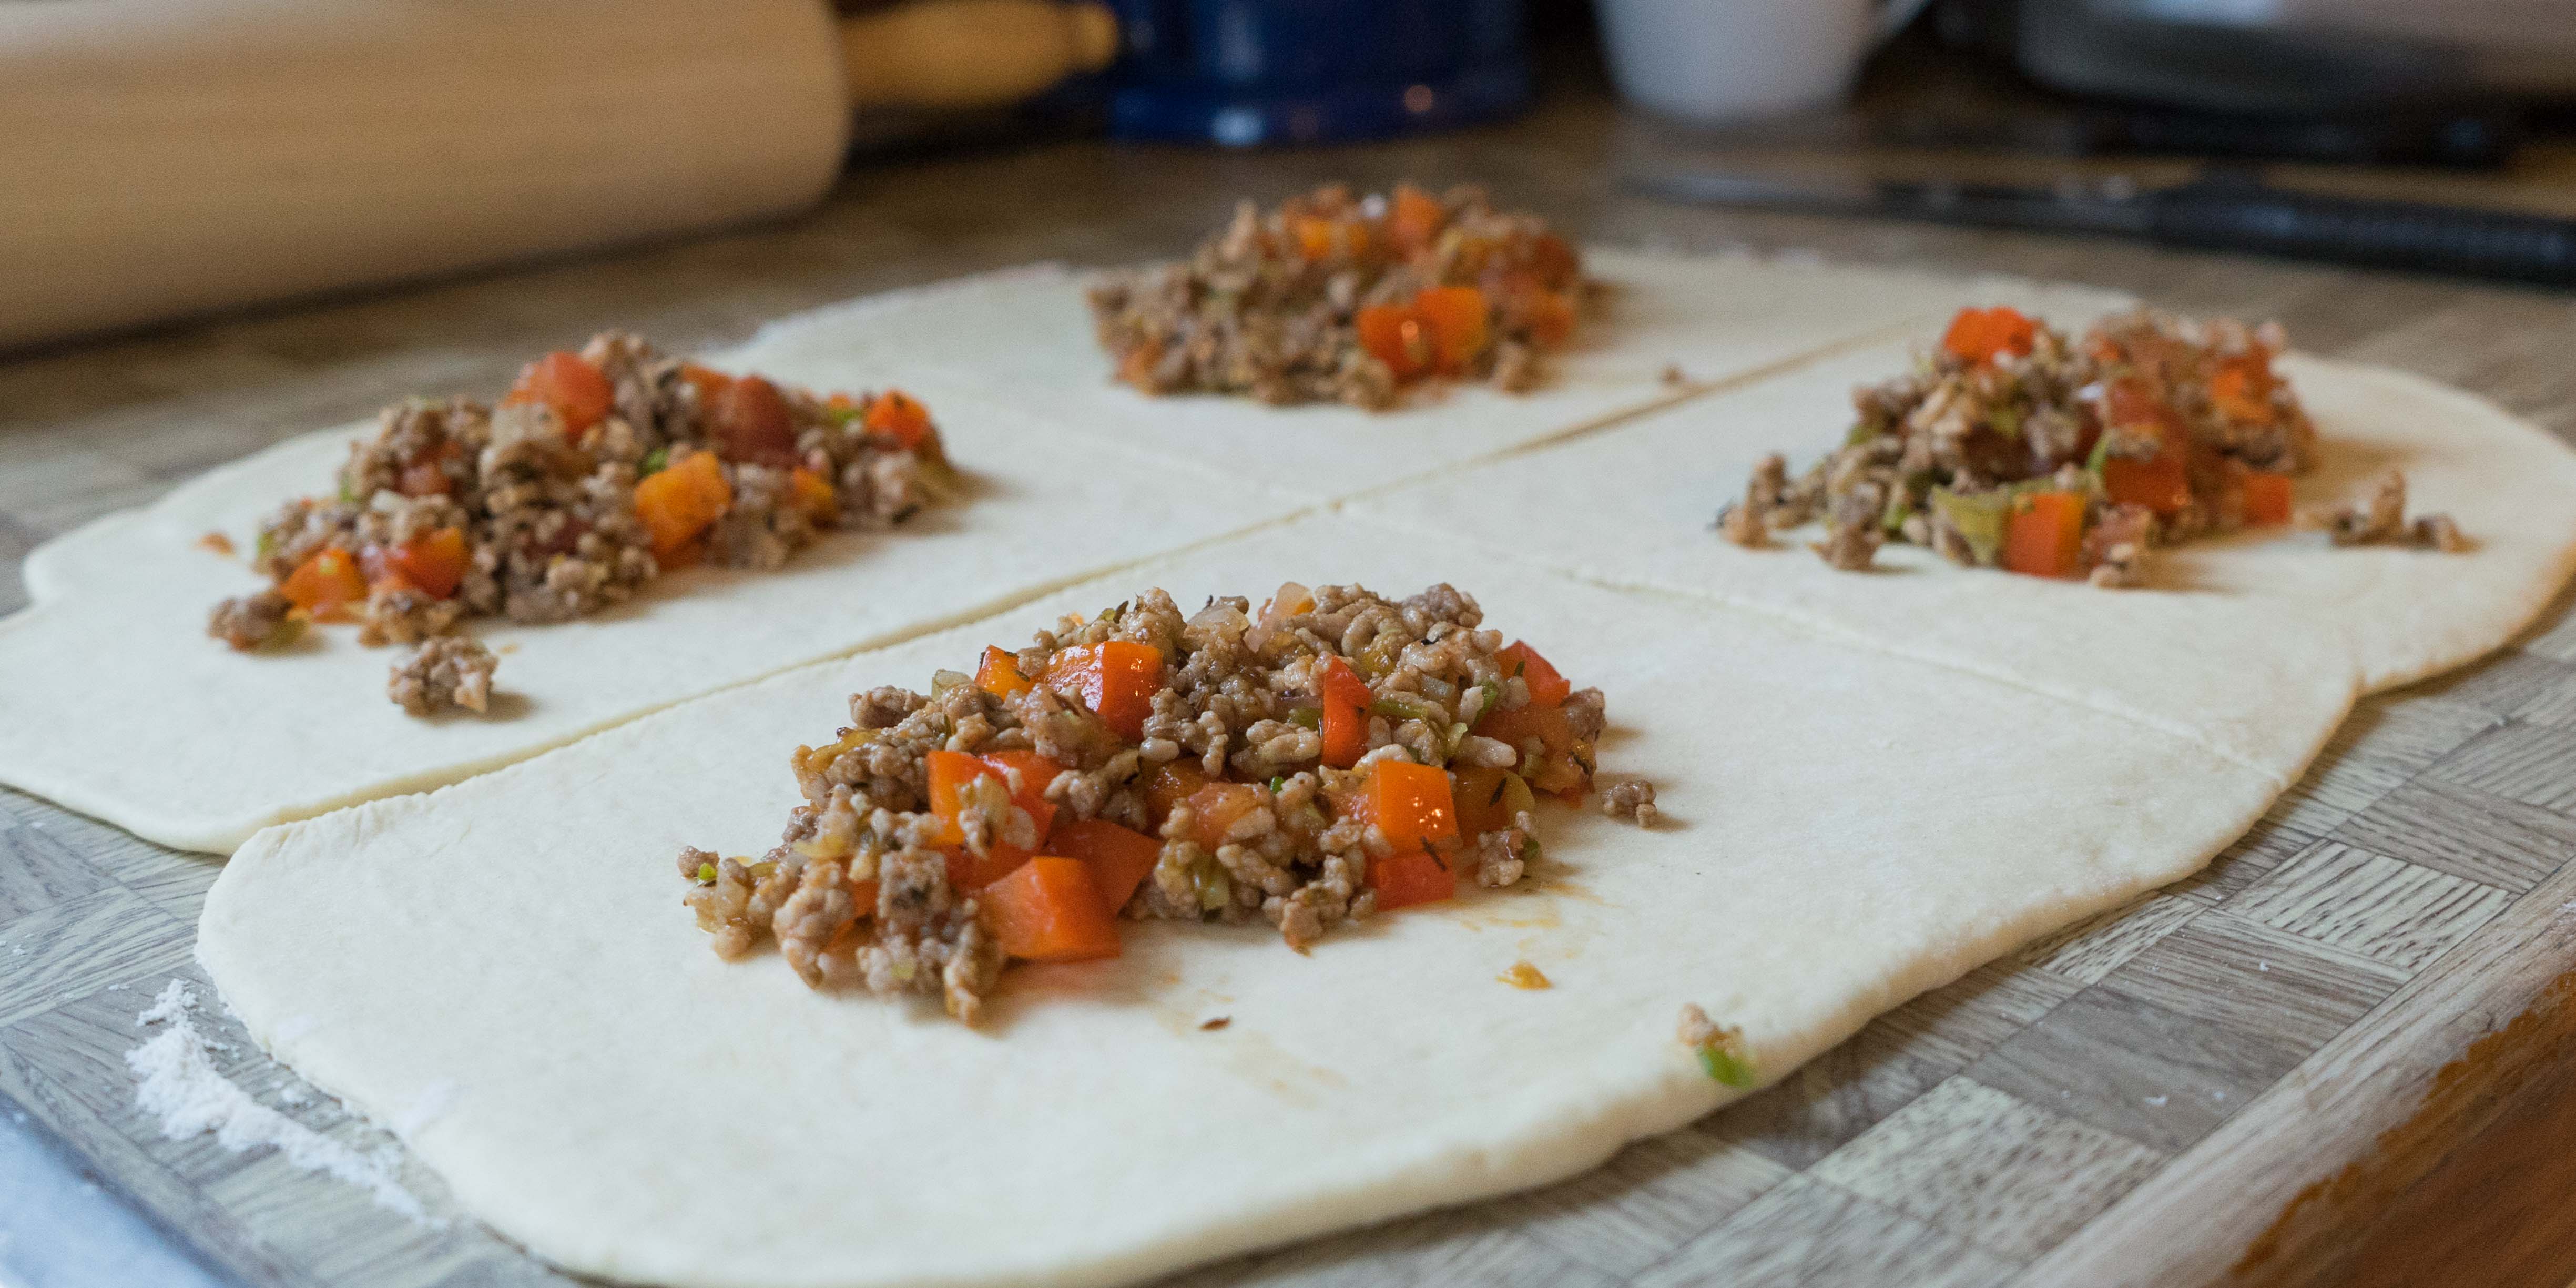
x: 2381, y: 521
x: 449, y: 673
x: 2013, y: 446
x: 1328, y: 756
x: 600, y: 470
x: 1333, y: 298
x: 255, y: 621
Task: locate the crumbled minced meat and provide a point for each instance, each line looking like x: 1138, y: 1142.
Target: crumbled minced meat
x: 255, y: 621
x: 1253, y: 312
x: 1951, y: 437
x: 1237, y: 706
x: 2381, y: 521
x: 451, y: 671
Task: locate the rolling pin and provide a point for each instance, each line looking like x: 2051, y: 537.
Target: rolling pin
x: 159, y: 160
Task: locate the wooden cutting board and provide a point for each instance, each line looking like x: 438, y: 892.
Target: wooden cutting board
x: 2347, y: 1042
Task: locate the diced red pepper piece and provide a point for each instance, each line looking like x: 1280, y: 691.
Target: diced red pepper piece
x: 2161, y: 484
x: 678, y: 503
x: 2267, y: 497
x: 1414, y: 219
x: 751, y: 422
x: 1048, y: 910
x: 1396, y: 336
x: 578, y: 392
x: 1981, y: 335
x: 1120, y: 858
x: 1215, y: 808
x: 329, y: 579
x: 1546, y: 686
x: 1116, y: 680
x: 2044, y: 535
x: 899, y: 418
x: 1345, y: 701
x: 1411, y: 805
x: 1405, y: 879
x: 1460, y: 321
x: 999, y: 674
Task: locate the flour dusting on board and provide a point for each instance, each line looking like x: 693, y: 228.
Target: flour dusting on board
x: 176, y: 1081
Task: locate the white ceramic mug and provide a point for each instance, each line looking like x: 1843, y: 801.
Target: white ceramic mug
x: 1713, y: 61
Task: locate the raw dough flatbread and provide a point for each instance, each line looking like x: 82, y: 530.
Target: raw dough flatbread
x: 111, y: 668
x: 1847, y: 828
x: 1022, y: 338
x: 2253, y: 645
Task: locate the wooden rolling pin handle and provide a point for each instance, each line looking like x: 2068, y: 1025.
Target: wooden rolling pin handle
x: 971, y: 53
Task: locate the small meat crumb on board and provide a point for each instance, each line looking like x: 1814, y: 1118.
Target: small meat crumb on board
x: 1720, y: 1047
x: 1524, y: 975
x: 216, y: 542
x: 1217, y: 1023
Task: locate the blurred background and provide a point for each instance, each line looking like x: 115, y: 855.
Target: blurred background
x: 170, y: 160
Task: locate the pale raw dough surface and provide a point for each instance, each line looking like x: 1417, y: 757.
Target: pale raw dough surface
x: 2253, y: 645
x: 112, y: 657
x: 121, y: 607
x: 1847, y: 829
x: 1023, y: 339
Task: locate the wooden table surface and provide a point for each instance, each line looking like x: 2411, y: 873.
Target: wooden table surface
x: 2341, y: 1054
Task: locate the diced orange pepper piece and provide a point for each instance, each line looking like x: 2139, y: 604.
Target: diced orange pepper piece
x: 578, y: 391
x: 326, y: 581
x: 1035, y: 771
x: 999, y: 674
x: 2044, y: 535
x: 1546, y: 686
x: 1484, y: 798
x: 1395, y: 335
x: 967, y: 872
x: 678, y: 503
x: 2242, y: 388
x: 2267, y: 497
x: 434, y: 562
x: 752, y: 422
x: 1414, y: 219
x: 1048, y: 910
x: 1549, y: 317
x: 814, y: 495
x: 950, y: 771
x: 899, y: 418
x: 1345, y: 699
x: 1460, y: 321
x: 708, y: 381
x: 1168, y: 785
x: 1116, y: 680
x: 1215, y: 808
x: 1982, y: 335
x: 1120, y: 858
x: 1411, y: 804
x: 1407, y: 878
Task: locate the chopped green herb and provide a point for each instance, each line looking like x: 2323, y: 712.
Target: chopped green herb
x: 1979, y: 517
x: 1306, y: 717
x: 654, y: 461
x: 1724, y: 1063
x: 706, y: 874
x: 1277, y: 781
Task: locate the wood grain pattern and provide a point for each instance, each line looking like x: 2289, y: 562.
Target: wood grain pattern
x: 2135, y: 1100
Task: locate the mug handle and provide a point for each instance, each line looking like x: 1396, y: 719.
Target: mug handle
x: 1892, y: 17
